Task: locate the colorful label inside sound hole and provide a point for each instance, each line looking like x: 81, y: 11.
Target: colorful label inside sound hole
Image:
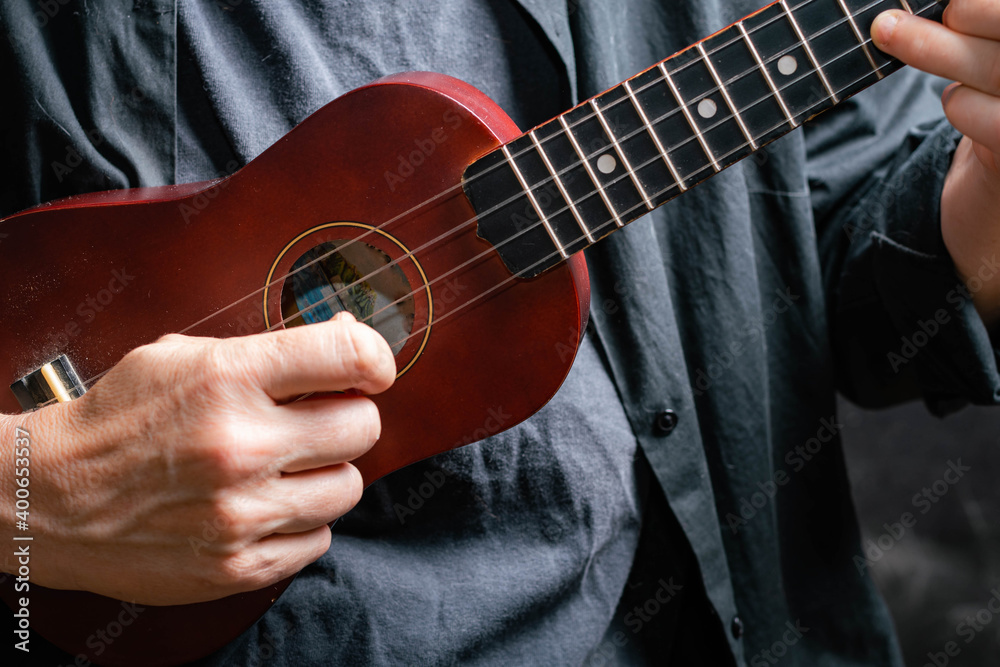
x: 350, y: 275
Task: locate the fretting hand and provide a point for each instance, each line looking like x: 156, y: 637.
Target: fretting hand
x: 965, y: 49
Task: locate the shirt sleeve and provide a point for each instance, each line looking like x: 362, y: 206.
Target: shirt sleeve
x: 902, y: 323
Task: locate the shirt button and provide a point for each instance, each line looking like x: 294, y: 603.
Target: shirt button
x: 736, y: 627
x: 665, y: 422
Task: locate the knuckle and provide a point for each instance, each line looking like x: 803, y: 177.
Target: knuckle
x: 225, y: 450
x: 242, y: 570
x: 172, y: 339
x: 322, y: 545
x: 373, y: 423
x: 212, y: 375
x: 171, y: 362
x: 354, y: 486
x: 229, y: 520
x: 144, y: 356
x: 214, y: 364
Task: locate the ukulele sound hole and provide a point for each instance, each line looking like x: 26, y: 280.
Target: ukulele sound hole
x: 350, y: 275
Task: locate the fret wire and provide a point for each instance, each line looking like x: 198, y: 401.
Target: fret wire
x: 485, y: 293
x: 661, y: 65
x: 906, y: 5
x: 562, y: 188
x: 725, y: 95
x: 775, y: 57
x: 767, y: 75
x: 590, y: 171
x: 861, y: 39
x: 700, y: 170
x: 534, y: 202
x: 656, y: 138
x: 760, y: 61
x: 690, y: 118
x: 802, y: 77
x: 93, y: 379
x: 809, y: 51
x: 621, y: 153
x: 669, y: 114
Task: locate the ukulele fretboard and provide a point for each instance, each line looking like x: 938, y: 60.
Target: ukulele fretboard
x: 566, y: 184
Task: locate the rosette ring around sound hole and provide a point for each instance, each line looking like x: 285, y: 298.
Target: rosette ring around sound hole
x: 356, y: 267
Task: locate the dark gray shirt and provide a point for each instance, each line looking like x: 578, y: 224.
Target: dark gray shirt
x: 741, y: 306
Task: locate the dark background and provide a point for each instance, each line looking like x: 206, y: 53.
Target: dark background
x: 944, y: 568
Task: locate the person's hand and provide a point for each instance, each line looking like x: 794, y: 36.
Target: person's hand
x: 966, y: 49
x: 188, y: 473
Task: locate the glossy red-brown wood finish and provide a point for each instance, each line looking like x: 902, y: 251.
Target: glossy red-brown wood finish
x: 193, y: 250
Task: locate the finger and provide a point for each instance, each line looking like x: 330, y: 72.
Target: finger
x: 323, y: 432
x: 307, y: 500
x: 277, y: 557
x: 974, y: 114
x: 329, y: 356
x: 933, y: 48
x: 979, y: 18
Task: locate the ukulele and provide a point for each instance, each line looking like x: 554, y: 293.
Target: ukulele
x: 447, y: 229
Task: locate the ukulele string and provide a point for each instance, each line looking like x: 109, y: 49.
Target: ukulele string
x: 508, y: 279
x: 437, y: 320
x: 452, y: 190
x: 596, y: 231
x: 550, y: 179
x: 96, y: 377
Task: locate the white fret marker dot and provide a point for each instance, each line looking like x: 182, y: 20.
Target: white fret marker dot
x: 787, y: 65
x: 607, y: 164
x: 707, y: 108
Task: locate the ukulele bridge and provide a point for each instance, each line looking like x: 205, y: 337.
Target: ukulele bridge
x: 55, y: 381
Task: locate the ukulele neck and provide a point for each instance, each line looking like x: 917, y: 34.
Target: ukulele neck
x: 575, y: 179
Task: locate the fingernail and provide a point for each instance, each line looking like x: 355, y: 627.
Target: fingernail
x: 948, y: 92
x: 884, y: 26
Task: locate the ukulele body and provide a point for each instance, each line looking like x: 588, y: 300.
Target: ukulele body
x: 92, y: 277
